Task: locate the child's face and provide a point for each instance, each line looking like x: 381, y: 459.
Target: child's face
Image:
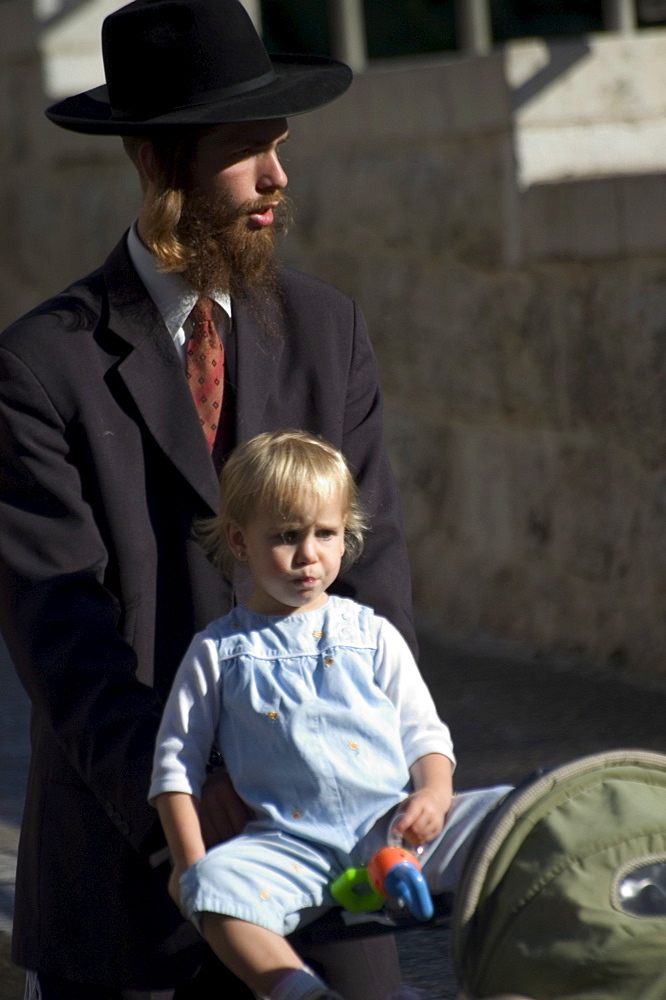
x: 292, y: 562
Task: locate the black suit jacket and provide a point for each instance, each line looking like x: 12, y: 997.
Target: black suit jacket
x: 103, y: 469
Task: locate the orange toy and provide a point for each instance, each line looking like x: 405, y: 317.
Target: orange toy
x: 396, y: 873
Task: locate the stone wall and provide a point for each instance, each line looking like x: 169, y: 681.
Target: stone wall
x: 521, y: 334
x: 520, y: 329
x: 65, y: 198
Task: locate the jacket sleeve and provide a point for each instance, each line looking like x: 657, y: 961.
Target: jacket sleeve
x: 59, y: 621
x: 381, y: 578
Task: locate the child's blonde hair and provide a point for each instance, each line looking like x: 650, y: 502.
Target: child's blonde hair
x: 272, y: 474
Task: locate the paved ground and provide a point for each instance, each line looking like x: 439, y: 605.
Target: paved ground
x: 14, y: 754
x: 509, y: 714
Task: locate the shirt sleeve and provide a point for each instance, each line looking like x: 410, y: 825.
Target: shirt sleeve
x: 422, y: 731
x: 189, y: 723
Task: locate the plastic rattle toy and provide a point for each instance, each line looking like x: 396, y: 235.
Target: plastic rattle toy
x: 393, y: 872
x: 396, y: 873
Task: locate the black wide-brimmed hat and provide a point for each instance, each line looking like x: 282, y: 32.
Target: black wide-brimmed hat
x: 178, y: 63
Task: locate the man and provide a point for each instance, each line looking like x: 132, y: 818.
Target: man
x: 105, y: 471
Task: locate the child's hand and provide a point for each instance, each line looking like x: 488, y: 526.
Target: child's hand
x: 424, y: 811
x: 422, y: 815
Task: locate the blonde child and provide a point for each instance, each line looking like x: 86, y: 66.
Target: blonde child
x: 322, y: 717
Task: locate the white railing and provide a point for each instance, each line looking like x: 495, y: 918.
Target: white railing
x: 473, y: 26
x: 619, y: 15
x: 474, y: 30
x: 347, y: 23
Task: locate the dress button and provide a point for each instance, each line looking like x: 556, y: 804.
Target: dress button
x: 317, y: 635
x: 353, y: 745
x: 272, y: 716
x: 296, y: 814
x: 328, y: 661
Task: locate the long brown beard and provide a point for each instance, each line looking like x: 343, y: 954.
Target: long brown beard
x: 224, y: 251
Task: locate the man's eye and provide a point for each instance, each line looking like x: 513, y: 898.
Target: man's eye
x: 325, y: 533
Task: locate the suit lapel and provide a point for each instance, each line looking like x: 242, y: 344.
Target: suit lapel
x: 153, y: 374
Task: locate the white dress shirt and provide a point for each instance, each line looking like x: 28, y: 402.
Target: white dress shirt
x: 172, y: 295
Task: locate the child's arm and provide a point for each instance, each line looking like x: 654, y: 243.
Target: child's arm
x: 424, y: 811
x: 179, y: 816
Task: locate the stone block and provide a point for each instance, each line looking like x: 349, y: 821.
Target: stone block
x: 588, y: 107
x: 643, y: 201
x: 71, y: 49
x: 591, y: 79
x: 416, y: 100
x: 549, y: 153
x: 571, y: 221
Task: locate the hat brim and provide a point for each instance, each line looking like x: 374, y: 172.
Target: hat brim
x: 302, y: 83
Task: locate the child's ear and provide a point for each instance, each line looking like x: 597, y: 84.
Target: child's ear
x: 236, y: 540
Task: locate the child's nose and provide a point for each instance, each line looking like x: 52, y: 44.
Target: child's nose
x: 306, y: 551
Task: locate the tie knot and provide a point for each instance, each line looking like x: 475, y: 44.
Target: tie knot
x: 203, y: 320
x: 203, y: 311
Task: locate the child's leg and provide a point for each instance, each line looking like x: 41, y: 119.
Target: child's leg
x: 245, y: 895
x: 443, y: 859
x: 261, y: 958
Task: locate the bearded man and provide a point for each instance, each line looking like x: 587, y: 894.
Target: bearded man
x: 119, y: 400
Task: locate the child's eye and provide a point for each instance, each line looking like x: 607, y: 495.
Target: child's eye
x: 287, y: 537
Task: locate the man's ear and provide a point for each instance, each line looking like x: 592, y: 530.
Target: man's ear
x: 148, y: 161
x: 235, y: 536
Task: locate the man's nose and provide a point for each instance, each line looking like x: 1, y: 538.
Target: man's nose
x: 272, y: 175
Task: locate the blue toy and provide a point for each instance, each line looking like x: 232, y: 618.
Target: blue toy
x: 393, y: 872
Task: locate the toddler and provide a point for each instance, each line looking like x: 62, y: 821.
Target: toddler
x: 321, y: 715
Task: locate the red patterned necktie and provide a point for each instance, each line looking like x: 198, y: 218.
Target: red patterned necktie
x: 205, y: 368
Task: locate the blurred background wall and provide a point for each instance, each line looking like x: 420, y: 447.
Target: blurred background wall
x: 493, y: 191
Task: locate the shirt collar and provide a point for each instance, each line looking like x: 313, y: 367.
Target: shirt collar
x: 168, y: 289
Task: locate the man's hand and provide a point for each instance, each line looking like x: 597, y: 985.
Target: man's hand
x: 223, y: 814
